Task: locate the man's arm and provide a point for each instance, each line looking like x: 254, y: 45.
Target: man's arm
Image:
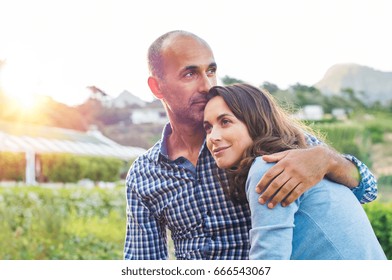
x: 145, y: 236
x: 298, y: 170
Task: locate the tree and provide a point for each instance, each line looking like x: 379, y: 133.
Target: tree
x: 304, y: 88
x: 272, y: 88
x: 352, y: 98
x: 305, y: 95
x: 227, y: 80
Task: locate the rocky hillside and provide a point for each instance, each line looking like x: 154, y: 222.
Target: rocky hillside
x: 374, y: 84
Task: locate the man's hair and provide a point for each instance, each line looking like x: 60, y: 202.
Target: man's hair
x: 154, y: 56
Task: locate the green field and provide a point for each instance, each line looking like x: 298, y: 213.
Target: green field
x: 39, y: 223
x: 65, y: 224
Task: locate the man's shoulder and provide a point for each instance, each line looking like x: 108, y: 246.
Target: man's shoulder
x: 148, y: 157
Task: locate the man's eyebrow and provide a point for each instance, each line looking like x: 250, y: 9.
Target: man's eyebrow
x: 194, y: 67
x: 213, y: 65
x: 190, y: 67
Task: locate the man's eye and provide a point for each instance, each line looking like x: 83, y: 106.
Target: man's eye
x: 189, y: 74
x: 211, y: 71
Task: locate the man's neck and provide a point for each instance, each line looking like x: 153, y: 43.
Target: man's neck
x: 185, y: 141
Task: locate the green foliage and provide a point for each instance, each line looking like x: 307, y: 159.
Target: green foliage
x: 380, y: 216
x: 12, y: 166
x: 89, y: 224
x: 385, y: 181
x: 305, y: 95
x: 378, y: 125
x: 65, y: 224
x: 71, y: 168
x: 376, y: 133
x: 302, y: 95
x: 270, y: 87
x: 227, y: 80
x: 346, y: 138
x: 107, y: 170
x: 354, y: 98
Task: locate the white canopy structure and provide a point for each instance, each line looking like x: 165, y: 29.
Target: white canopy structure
x: 32, y: 140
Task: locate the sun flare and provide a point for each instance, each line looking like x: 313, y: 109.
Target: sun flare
x: 20, y: 80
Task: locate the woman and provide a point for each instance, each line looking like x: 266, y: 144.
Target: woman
x: 242, y: 123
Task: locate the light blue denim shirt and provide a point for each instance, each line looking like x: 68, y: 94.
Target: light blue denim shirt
x: 326, y: 222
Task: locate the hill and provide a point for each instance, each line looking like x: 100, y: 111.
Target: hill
x: 374, y: 84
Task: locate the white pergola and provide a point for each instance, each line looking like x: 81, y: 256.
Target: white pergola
x: 33, y: 140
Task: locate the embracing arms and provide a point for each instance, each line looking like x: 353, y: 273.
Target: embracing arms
x: 298, y: 170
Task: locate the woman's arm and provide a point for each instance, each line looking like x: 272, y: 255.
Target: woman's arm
x: 272, y: 229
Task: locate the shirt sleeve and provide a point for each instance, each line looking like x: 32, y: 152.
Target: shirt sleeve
x: 145, y: 235
x: 271, y: 235
x: 367, y: 190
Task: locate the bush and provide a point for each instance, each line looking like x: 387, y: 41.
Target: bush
x: 376, y: 132
x: 385, y: 181
x: 348, y: 139
x: 65, y: 224
x: 12, y: 166
x: 77, y: 224
x: 71, y: 168
x: 380, y: 216
x: 65, y: 168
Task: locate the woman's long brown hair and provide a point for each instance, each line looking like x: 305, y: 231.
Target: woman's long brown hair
x: 270, y: 127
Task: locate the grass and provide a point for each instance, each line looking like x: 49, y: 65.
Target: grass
x: 66, y: 224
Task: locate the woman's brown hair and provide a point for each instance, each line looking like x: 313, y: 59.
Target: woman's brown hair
x: 270, y: 127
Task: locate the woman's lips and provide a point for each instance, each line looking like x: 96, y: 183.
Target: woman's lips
x: 219, y: 151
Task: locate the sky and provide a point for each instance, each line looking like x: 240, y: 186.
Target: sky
x: 58, y: 48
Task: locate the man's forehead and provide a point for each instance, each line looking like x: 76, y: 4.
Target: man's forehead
x: 183, y: 43
x: 186, y: 52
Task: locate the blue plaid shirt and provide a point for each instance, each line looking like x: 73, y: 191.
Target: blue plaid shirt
x: 189, y: 201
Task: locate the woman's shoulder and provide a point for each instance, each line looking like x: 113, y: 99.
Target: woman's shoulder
x: 259, y: 165
x: 257, y: 170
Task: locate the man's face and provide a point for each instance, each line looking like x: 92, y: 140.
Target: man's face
x: 189, y: 72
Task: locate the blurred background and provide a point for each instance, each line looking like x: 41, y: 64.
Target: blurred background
x: 75, y: 109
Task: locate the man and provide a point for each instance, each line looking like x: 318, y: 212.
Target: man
x: 176, y: 184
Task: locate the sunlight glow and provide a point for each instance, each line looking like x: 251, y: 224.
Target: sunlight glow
x: 20, y: 80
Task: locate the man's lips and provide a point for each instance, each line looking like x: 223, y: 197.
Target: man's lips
x: 200, y: 102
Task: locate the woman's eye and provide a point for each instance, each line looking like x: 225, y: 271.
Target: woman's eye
x: 225, y: 121
x: 207, y: 128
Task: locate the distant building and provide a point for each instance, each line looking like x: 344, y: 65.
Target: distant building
x: 124, y: 99
x: 127, y: 99
x: 310, y: 112
x: 149, y: 115
x: 339, y: 113
x: 98, y: 94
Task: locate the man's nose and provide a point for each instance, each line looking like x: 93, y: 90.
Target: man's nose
x: 206, y: 83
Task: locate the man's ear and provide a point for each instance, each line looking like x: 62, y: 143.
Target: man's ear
x: 153, y: 83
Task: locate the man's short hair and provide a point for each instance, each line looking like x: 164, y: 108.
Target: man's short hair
x: 154, y: 56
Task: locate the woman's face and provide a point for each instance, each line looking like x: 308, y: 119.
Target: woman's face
x: 227, y: 136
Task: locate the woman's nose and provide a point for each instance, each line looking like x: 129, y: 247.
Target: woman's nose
x: 215, y: 135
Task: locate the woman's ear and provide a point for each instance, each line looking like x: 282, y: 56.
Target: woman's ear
x: 153, y: 83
